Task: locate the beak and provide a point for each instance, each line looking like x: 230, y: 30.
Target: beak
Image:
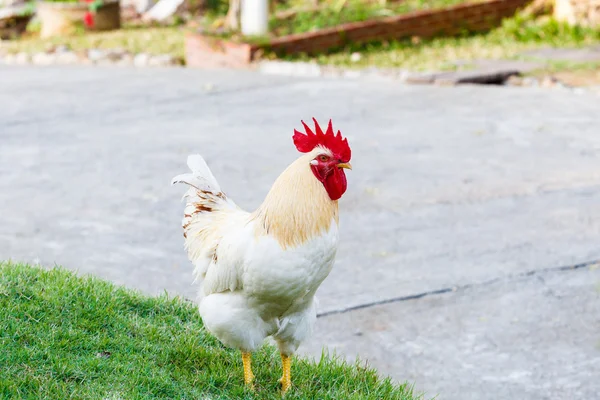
x: 344, y: 165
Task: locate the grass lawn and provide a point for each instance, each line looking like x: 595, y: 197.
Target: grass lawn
x: 64, y: 336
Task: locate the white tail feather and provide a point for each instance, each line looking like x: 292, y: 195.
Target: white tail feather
x: 201, y: 177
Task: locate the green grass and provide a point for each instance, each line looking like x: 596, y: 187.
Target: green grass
x: 67, y: 337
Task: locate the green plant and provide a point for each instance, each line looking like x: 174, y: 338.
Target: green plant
x: 523, y: 29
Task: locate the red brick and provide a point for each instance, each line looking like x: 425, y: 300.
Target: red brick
x: 210, y: 52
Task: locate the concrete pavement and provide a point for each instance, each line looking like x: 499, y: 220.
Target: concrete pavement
x: 479, y: 194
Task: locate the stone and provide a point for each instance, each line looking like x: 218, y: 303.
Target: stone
x: 62, y: 48
x: 162, y: 60
x: 86, y: 61
x: 22, y: 58
x: 141, y: 60
x: 8, y: 59
x: 549, y: 81
x: 514, y: 81
x: 329, y: 71
x: 67, y: 58
x: 531, y: 81
x: 290, y: 68
x: 419, y: 77
x: 105, y: 62
x: 403, y: 75
x: 126, y: 60
x: 43, y: 58
x: 115, y: 55
x: 355, y: 57
x: 352, y: 74
x: 95, y: 55
x: 379, y: 74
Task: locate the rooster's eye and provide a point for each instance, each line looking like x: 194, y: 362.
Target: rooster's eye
x: 323, y: 158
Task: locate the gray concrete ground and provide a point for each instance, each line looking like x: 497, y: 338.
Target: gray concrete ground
x: 470, y: 199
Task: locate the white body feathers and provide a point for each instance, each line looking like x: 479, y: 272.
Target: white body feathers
x: 259, y: 271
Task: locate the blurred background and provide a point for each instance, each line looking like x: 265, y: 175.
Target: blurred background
x: 468, y: 258
x: 331, y: 36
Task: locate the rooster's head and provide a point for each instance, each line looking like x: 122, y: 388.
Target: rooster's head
x: 331, y: 155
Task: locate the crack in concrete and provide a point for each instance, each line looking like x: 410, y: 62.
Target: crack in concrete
x: 457, y: 288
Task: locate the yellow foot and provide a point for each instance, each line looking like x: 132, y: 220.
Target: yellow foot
x: 248, y: 375
x: 286, y: 378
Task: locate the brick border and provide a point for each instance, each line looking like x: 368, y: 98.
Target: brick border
x: 212, y: 52
x: 202, y: 50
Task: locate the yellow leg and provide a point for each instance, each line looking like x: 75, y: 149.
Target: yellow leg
x: 286, y: 378
x: 248, y: 375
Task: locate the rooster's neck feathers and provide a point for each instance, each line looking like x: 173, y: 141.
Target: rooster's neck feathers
x: 297, y: 208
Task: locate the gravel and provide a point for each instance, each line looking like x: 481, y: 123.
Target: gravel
x: 62, y: 55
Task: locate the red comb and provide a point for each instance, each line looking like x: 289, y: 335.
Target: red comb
x: 334, y: 142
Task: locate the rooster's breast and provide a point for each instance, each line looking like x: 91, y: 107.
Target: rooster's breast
x: 277, y: 277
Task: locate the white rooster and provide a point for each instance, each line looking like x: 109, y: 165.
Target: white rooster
x: 259, y: 271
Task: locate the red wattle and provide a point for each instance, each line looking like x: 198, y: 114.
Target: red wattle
x: 336, y: 184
